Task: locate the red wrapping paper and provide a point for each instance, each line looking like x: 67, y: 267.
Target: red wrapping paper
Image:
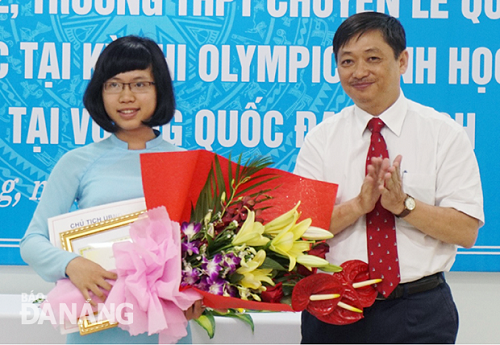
x: 222, y: 302
x: 175, y: 179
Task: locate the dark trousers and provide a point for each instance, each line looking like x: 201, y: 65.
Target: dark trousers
x: 421, y: 318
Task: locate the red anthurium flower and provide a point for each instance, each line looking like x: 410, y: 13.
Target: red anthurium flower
x: 327, y: 306
x: 344, y: 309
x: 316, y: 284
x: 354, y: 271
x: 352, y: 268
x: 342, y: 316
x: 327, y: 310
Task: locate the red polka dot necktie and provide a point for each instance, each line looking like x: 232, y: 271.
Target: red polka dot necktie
x: 380, y: 225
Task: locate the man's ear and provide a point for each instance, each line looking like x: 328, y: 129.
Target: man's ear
x: 403, y: 61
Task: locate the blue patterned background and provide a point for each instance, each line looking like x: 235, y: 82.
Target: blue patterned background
x: 250, y: 76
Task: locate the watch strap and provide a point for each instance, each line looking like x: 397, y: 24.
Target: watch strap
x: 406, y: 211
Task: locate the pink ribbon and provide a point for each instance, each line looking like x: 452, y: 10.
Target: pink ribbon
x: 149, y: 276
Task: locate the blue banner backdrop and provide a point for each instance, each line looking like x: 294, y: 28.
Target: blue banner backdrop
x: 251, y: 77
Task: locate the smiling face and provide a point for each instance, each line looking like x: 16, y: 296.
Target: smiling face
x: 127, y: 109
x: 369, y: 72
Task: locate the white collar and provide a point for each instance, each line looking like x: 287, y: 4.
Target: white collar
x: 393, y: 117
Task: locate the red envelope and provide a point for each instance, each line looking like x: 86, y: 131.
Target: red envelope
x: 175, y: 180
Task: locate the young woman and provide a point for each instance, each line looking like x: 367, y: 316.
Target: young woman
x: 130, y: 92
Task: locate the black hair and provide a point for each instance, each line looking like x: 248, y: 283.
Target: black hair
x: 126, y: 54
x: 361, y: 23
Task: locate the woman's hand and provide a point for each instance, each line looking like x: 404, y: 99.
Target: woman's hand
x: 194, y: 311
x: 88, y: 276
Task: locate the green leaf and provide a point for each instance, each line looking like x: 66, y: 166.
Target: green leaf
x: 207, y: 322
x: 244, y: 181
x: 220, y: 185
x: 230, y: 176
x: 287, y: 299
x: 215, y: 246
x: 256, y: 164
x: 235, y: 278
x: 255, y: 185
x: 270, y: 263
x: 282, y: 260
x: 238, y: 168
x: 204, y: 202
x: 246, y: 318
x: 287, y: 291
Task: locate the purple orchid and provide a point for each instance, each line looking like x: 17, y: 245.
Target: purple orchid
x: 230, y: 291
x: 190, y: 229
x: 230, y: 263
x: 212, y: 267
x: 190, y: 275
x: 191, y: 247
x: 216, y: 286
x: 231, y: 260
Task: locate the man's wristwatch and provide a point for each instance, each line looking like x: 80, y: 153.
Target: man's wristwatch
x: 409, y: 204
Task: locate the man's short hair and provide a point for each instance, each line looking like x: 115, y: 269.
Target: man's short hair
x: 361, y: 23
x: 126, y: 54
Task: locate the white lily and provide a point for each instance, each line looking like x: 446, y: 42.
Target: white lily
x: 312, y: 261
x: 315, y: 233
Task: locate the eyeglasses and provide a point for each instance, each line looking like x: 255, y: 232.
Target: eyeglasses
x: 135, y: 87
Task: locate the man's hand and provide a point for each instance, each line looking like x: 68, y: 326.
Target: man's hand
x: 88, y: 276
x: 391, y: 190
x: 346, y: 213
x: 373, y: 184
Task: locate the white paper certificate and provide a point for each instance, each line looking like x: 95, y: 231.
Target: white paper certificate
x: 91, y: 233
x: 89, y: 216
x: 98, y: 246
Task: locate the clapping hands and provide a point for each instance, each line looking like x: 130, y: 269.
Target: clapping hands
x: 383, y: 181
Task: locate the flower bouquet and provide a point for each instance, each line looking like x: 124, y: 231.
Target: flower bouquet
x: 242, y: 237
x: 238, y: 251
